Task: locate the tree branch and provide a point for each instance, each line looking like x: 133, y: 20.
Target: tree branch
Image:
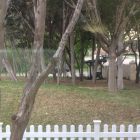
x: 24, y: 19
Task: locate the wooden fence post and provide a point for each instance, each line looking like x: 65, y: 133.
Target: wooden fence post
x: 1, y: 130
x: 97, y: 129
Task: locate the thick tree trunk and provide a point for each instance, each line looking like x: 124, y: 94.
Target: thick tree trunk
x: 72, y: 59
x: 112, y: 70
x: 120, y: 83
x: 95, y: 65
x: 19, y: 122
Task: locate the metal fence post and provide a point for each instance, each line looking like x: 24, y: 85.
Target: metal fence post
x: 1, y: 130
x: 97, y: 129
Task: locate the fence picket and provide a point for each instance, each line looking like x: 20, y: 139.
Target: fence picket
x: 130, y: 129
x: 32, y: 135
x: 97, y: 129
x: 8, y: 131
x: 113, y: 130
x: 88, y: 130
x: 40, y: 130
x: 24, y: 134
x: 56, y: 129
x: 105, y: 130
x: 1, y: 130
x: 48, y: 129
x: 122, y: 129
x: 32, y: 131
x: 138, y: 130
x: 72, y: 129
x: 80, y: 129
x: 64, y: 129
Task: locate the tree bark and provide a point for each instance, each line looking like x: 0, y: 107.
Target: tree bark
x: 43, y: 63
x: 93, y: 49
x: 3, y: 11
x: 112, y: 68
x: 61, y: 59
x: 7, y: 65
x: 34, y: 81
x: 120, y: 83
x: 96, y: 64
x: 82, y: 57
x: 72, y: 59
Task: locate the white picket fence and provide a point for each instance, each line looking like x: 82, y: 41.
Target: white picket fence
x: 80, y: 134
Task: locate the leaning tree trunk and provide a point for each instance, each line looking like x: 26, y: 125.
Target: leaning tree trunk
x: 34, y: 81
x: 8, y: 67
x: 61, y: 58
x: 72, y: 59
x: 120, y: 84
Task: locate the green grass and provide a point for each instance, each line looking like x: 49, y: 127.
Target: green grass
x: 72, y: 105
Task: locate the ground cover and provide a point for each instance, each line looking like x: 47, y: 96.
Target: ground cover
x: 80, y: 104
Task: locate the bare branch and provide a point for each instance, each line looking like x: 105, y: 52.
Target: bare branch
x: 24, y: 20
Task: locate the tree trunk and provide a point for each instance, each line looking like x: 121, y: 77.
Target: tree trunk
x: 43, y: 64
x: 8, y: 67
x: 120, y: 83
x: 34, y: 81
x: 112, y: 70
x: 95, y: 65
x: 3, y: 10
x: 82, y: 57
x: 72, y: 59
x: 93, y: 49
x: 61, y: 59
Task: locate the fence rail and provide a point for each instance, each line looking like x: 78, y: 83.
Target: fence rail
x: 80, y: 134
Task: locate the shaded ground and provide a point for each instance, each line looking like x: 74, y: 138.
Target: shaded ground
x: 100, y: 84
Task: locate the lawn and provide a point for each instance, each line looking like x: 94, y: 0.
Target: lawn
x: 80, y: 104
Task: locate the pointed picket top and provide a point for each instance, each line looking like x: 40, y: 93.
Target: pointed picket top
x: 40, y: 128
x: 80, y: 128
x: 32, y: 128
x: 1, y: 123
x: 130, y: 128
x: 56, y: 128
x: 72, y: 128
x: 113, y: 128
x: 48, y: 128
x: 122, y: 128
x: 138, y: 128
x: 64, y: 128
x: 8, y: 128
x: 105, y: 128
x: 88, y: 129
